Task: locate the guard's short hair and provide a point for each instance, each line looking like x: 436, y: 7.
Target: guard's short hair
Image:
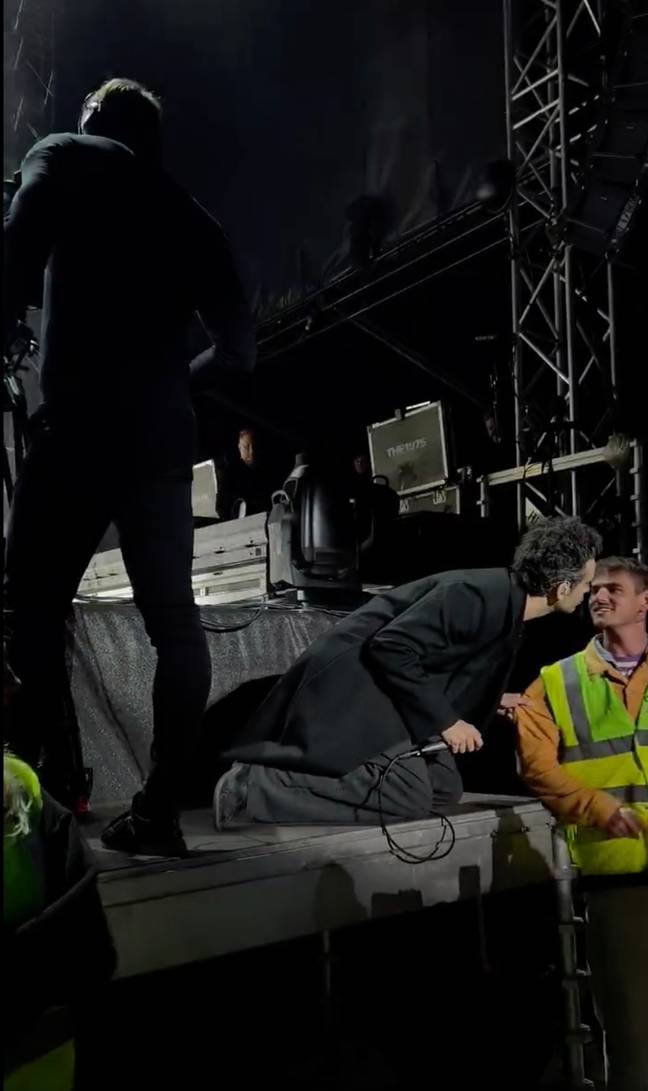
x: 638, y: 571
x: 554, y: 551
x: 126, y: 111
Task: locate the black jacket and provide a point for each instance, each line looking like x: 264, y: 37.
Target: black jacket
x: 128, y: 258
x: 406, y: 665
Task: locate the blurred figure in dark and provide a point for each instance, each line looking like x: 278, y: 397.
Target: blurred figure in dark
x: 376, y: 512
x: 245, y: 481
x: 127, y: 259
x: 361, y: 471
x: 360, y: 489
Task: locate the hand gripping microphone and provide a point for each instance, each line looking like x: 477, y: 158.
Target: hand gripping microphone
x: 427, y: 748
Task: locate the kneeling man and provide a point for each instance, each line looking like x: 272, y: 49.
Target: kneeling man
x: 421, y: 663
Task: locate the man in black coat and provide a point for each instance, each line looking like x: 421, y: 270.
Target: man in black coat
x: 124, y: 258
x: 422, y: 663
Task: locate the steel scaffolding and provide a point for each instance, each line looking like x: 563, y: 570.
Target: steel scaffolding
x: 563, y: 313
x: 29, y: 76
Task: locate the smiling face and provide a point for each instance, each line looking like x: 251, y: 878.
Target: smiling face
x: 617, y: 599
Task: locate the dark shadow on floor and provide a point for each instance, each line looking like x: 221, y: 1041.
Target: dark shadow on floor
x: 220, y: 727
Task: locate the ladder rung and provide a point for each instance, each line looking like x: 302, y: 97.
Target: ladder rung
x: 575, y: 922
x: 577, y: 976
x: 579, y: 1037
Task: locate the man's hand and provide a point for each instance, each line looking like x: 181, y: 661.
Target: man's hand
x: 624, y: 823
x: 462, y: 738
x: 510, y: 701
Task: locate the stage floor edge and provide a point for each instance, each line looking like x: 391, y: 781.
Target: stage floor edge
x: 258, y: 885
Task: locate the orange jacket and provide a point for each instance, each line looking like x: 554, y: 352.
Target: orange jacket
x: 539, y: 743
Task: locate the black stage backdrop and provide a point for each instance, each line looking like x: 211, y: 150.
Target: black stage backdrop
x: 112, y: 677
x: 282, y: 113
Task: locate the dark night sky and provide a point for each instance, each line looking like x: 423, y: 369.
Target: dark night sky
x: 281, y: 112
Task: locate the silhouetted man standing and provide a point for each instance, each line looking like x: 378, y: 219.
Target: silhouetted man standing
x: 127, y: 259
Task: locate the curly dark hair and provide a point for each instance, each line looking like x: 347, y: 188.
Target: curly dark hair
x: 554, y: 551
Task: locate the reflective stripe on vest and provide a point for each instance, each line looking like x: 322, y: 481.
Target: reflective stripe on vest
x: 604, y: 749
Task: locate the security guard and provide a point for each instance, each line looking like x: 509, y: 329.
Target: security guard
x: 583, y: 744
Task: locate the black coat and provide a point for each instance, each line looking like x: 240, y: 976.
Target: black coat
x: 128, y: 259
x: 406, y: 665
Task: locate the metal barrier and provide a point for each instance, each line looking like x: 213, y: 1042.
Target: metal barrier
x: 577, y: 1033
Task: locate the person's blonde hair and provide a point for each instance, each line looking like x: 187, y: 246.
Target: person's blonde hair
x: 17, y: 800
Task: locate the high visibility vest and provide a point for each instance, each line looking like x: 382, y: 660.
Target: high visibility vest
x: 44, y: 1060
x: 23, y: 861
x: 601, y: 748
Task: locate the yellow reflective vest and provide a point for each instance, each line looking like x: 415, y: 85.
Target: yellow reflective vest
x: 45, y: 1058
x: 601, y: 748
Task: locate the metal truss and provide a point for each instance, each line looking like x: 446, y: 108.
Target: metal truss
x: 29, y: 76
x: 563, y: 313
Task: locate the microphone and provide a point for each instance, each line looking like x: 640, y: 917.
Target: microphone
x: 428, y: 748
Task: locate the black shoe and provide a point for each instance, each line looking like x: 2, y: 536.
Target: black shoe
x: 140, y: 835
x: 230, y: 795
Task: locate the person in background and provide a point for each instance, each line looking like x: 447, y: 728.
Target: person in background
x: 421, y: 663
x: 58, y: 953
x: 126, y: 258
x: 376, y: 507
x: 583, y: 745
x: 361, y: 491
x: 361, y: 476
x: 244, y: 482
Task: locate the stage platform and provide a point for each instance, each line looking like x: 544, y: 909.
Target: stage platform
x: 259, y: 885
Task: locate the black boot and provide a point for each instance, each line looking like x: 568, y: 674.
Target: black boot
x: 142, y: 832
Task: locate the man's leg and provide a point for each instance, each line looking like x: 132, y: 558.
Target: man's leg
x: 56, y: 521
x: 155, y: 524
x: 412, y: 789
x: 617, y: 938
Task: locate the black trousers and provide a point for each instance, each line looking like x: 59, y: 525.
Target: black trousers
x: 64, y: 501
x: 411, y: 790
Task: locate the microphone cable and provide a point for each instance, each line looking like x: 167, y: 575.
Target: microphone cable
x: 443, y: 847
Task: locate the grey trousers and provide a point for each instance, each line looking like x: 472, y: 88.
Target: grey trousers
x: 412, y: 789
x: 617, y: 938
